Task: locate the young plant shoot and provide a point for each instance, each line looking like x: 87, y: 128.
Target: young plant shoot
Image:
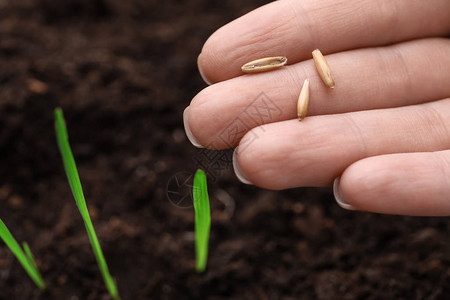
x: 75, y: 186
x: 202, y: 220
x: 24, y: 256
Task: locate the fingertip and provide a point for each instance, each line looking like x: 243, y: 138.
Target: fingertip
x: 358, y: 186
x: 338, y: 195
x: 211, y: 61
x: 200, y: 65
x: 188, y: 131
x: 399, y: 184
x: 253, y: 160
x: 237, y: 169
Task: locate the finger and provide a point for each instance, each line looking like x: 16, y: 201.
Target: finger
x: 295, y: 28
x: 398, y: 75
x: 405, y: 184
x: 317, y: 150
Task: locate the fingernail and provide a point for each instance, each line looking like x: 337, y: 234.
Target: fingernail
x: 237, y: 170
x: 205, y: 79
x: 188, y: 130
x: 337, y: 195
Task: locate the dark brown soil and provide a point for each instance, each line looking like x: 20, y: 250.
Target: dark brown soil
x: 123, y: 71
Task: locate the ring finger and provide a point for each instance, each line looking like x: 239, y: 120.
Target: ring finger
x: 288, y: 154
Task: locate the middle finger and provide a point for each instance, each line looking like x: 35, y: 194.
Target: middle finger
x: 403, y: 74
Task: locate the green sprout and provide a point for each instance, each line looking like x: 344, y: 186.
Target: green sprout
x: 202, y: 220
x: 24, y: 256
x: 77, y: 191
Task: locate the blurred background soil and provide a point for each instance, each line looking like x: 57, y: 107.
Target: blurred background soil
x: 123, y: 71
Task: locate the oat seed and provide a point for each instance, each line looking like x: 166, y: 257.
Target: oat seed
x: 303, y: 100
x: 264, y: 64
x: 323, y: 68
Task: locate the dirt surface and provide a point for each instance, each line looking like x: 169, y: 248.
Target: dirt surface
x: 123, y: 71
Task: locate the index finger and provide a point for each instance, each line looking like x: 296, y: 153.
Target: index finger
x: 294, y: 28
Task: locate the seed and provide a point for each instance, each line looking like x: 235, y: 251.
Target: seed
x: 303, y: 100
x: 264, y: 64
x: 323, y: 68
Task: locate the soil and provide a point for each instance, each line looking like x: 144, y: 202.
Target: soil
x: 123, y: 71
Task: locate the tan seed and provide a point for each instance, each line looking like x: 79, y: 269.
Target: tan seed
x: 323, y: 68
x: 303, y: 100
x: 37, y: 86
x: 264, y: 64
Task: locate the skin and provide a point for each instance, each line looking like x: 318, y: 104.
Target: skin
x: 383, y: 132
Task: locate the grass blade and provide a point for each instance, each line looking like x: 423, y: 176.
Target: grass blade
x: 28, y: 254
x: 77, y: 191
x: 202, y: 220
x: 25, y: 258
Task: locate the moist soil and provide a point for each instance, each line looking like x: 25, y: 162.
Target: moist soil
x: 123, y: 71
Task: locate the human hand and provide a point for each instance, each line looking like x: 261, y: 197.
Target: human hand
x: 382, y: 135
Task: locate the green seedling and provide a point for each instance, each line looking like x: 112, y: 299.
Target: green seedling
x: 77, y: 191
x: 23, y: 255
x: 202, y: 220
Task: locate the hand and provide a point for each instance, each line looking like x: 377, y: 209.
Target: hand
x: 382, y: 135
